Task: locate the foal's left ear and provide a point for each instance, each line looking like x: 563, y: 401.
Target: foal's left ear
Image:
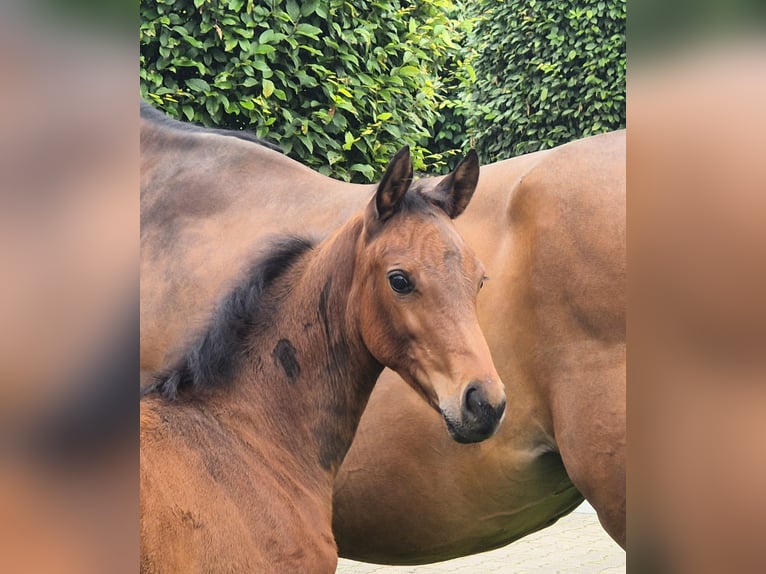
x: 454, y: 192
x: 394, y: 185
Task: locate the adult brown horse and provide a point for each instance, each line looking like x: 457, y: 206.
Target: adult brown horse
x: 550, y: 228
x: 241, y: 440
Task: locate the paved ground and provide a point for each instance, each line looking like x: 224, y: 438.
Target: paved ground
x: 576, y: 544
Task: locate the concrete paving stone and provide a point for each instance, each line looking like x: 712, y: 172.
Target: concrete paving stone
x: 576, y: 544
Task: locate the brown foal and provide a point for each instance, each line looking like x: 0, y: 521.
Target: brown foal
x: 241, y: 440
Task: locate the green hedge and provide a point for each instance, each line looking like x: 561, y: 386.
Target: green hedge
x: 339, y: 85
x: 547, y: 72
x: 342, y: 84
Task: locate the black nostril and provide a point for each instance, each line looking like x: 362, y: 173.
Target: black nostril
x: 473, y: 401
x: 479, y: 418
x: 477, y: 408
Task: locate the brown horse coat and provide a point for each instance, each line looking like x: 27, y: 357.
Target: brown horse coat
x: 550, y: 229
x: 242, y: 438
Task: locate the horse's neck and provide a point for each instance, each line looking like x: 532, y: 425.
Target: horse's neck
x: 311, y: 373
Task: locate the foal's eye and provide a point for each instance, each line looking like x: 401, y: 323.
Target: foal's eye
x: 481, y: 283
x: 400, y: 282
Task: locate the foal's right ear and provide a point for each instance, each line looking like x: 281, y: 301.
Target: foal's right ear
x: 394, y: 185
x: 454, y: 192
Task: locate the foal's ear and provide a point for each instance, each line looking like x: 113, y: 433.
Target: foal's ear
x: 454, y: 192
x: 394, y: 185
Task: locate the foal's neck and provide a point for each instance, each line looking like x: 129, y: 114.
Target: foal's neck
x: 311, y: 374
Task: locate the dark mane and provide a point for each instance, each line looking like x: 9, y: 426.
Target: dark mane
x: 156, y: 116
x: 213, y: 359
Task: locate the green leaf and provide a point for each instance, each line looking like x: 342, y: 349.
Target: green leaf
x: 188, y: 63
x: 188, y: 111
x: 306, y: 141
x: 308, y: 8
x: 365, y: 170
x: 334, y: 157
x: 268, y: 88
x: 348, y: 139
x: 257, y: 64
x: 392, y: 130
x: 271, y: 37
x: 264, y: 49
x: 193, y: 42
x: 212, y: 106
x: 293, y: 10
x: 409, y: 71
x: 198, y: 85
x: 307, y: 30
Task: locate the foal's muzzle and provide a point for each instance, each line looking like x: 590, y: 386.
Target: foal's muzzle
x: 479, y: 418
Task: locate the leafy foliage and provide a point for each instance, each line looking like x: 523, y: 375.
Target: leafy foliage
x: 450, y: 136
x: 340, y: 85
x: 546, y: 73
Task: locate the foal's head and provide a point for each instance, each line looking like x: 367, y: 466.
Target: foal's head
x: 416, y: 286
